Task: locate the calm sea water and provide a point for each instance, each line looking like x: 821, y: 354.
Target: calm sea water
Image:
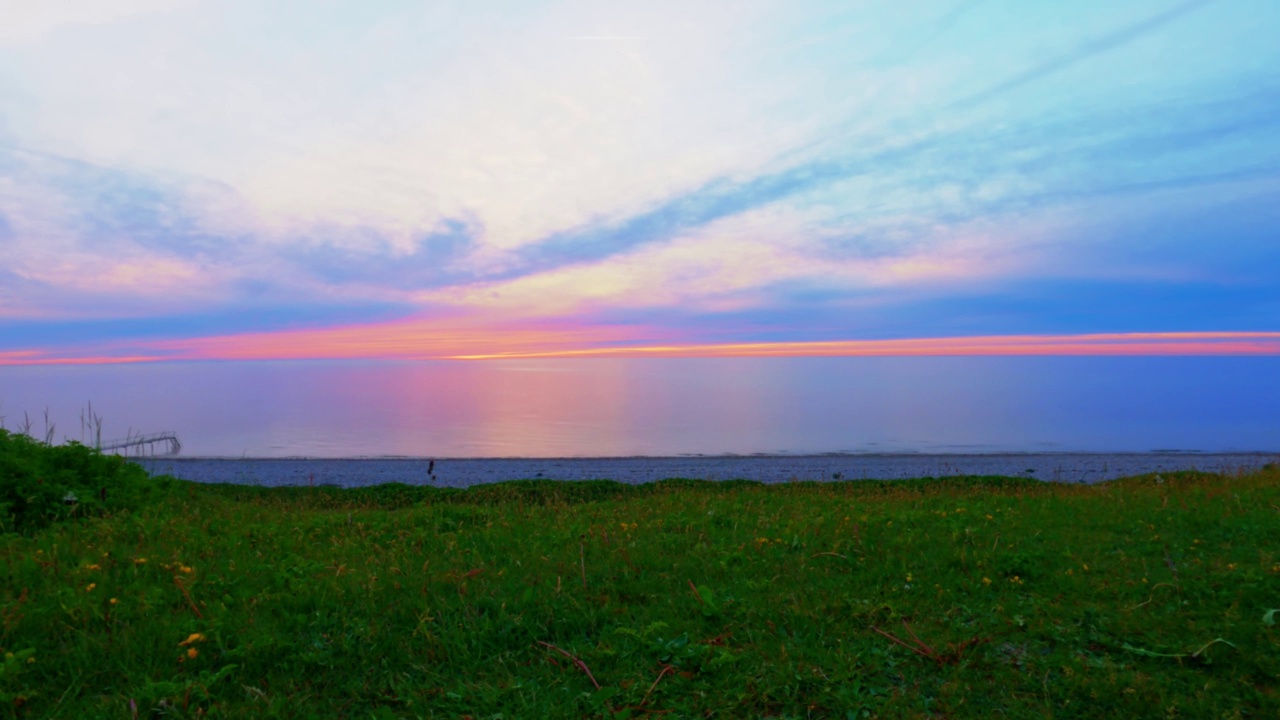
x: 668, y: 407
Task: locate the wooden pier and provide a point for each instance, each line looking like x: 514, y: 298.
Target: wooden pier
x: 154, y: 445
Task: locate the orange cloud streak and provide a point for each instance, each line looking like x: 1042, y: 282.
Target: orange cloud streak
x: 50, y: 357
x: 462, y: 339
x: 1190, y: 343
x: 412, y: 339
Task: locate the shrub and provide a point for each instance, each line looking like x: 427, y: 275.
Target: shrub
x: 41, y: 484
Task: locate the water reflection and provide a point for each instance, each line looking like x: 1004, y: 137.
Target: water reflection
x: 669, y: 406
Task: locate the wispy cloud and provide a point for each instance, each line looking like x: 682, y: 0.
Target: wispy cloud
x: 434, y: 260
x: 1083, y: 51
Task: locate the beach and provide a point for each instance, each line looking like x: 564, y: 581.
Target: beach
x: 464, y: 472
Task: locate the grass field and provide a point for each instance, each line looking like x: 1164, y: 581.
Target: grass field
x: 957, y: 598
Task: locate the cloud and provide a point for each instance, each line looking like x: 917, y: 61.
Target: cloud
x: 96, y: 241
x: 955, y: 177
x: 1083, y: 51
x: 423, y: 161
x: 422, y: 113
x: 435, y: 260
x: 900, y: 218
x: 97, y: 204
x: 18, y: 332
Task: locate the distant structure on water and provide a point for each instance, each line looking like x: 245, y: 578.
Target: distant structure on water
x: 154, y: 445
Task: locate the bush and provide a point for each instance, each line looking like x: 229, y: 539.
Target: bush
x: 41, y: 484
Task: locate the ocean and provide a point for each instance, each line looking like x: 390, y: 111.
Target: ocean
x: 727, y: 410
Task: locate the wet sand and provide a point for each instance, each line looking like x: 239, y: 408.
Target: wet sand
x: 463, y: 472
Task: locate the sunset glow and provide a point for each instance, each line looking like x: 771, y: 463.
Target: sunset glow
x: 407, y: 344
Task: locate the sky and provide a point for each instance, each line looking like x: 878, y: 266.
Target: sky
x: 189, y: 179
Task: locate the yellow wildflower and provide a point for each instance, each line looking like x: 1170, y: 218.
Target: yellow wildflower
x: 986, y: 581
x: 113, y: 601
x: 192, y: 653
x: 94, y: 566
x: 1231, y: 566
x: 90, y: 587
x: 193, y: 638
x: 140, y: 561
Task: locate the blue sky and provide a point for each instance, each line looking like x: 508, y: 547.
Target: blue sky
x: 196, y: 179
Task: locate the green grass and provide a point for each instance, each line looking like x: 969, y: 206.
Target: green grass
x: 957, y: 598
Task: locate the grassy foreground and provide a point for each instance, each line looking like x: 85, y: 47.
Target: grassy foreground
x: 958, y: 598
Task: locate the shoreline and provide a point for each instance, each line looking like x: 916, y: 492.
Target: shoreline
x: 726, y: 456
x: 1068, y: 467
